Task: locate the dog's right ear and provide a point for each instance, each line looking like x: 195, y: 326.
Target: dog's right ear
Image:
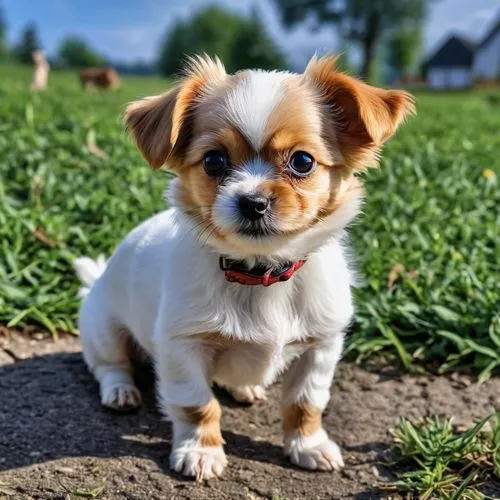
x: 364, y: 117
x: 161, y: 125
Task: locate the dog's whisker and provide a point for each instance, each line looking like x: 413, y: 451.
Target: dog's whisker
x: 209, y: 236
x: 211, y: 230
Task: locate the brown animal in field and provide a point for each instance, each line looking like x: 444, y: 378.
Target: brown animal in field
x: 102, y: 78
x: 40, y: 72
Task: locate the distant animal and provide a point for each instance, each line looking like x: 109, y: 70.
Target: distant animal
x: 102, y: 78
x: 40, y: 72
x: 246, y: 275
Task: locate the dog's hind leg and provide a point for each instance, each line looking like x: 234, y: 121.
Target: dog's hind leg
x: 107, y: 352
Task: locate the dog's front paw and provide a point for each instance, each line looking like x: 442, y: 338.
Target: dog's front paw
x: 201, y: 462
x: 120, y: 396
x: 316, y: 452
x: 248, y: 393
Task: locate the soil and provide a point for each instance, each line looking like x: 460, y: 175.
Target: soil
x: 57, y: 442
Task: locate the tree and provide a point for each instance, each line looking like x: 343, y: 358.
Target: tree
x: 28, y: 43
x: 239, y: 42
x: 254, y: 48
x: 363, y: 21
x: 74, y: 52
x: 173, y: 49
x: 404, y: 50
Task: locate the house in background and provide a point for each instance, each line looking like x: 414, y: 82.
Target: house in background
x: 486, y: 64
x: 459, y: 62
x: 451, y: 65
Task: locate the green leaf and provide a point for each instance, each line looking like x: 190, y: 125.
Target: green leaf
x: 445, y: 313
x: 89, y: 493
x: 404, y: 356
x: 11, y: 292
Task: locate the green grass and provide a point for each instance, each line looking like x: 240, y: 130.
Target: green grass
x: 432, y: 207
x: 443, y: 463
x: 49, y: 180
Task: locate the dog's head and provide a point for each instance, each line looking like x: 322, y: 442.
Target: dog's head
x: 111, y: 77
x: 265, y: 161
x: 38, y: 57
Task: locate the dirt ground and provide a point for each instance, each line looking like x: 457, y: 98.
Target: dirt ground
x: 56, y: 442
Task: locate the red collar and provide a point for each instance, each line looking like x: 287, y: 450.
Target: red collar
x: 237, y: 272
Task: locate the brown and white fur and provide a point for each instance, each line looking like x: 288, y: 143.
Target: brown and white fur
x: 163, y: 286
x: 40, y: 71
x: 101, y: 78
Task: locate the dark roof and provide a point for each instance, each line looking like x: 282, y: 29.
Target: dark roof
x: 456, y: 51
x: 491, y: 34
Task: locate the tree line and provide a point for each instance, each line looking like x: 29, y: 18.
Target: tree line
x: 239, y: 41
x: 388, y: 29
x: 380, y: 29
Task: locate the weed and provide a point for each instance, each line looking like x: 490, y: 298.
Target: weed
x: 443, y: 463
x: 89, y: 493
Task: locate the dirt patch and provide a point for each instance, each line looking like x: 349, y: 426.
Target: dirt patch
x: 56, y: 441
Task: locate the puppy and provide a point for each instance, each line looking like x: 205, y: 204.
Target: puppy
x: 245, y: 277
x: 40, y: 71
x: 102, y: 78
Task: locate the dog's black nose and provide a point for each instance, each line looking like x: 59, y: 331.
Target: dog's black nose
x: 253, y: 206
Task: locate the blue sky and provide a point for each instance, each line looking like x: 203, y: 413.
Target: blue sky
x: 132, y: 29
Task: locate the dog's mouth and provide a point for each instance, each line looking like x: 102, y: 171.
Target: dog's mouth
x: 260, y: 229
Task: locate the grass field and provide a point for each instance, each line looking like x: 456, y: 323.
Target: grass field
x: 428, y: 244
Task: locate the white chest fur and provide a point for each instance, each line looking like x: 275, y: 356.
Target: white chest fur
x: 315, y: 302
x: 165, y: 285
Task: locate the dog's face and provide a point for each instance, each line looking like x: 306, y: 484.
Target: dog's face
x: 264, y: 158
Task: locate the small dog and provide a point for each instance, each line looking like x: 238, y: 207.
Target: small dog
x: 245, y: 276
x: 40, y: 72
x: 102, y: 78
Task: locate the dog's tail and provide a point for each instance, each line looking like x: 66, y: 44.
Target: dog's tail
x: 89, y: 271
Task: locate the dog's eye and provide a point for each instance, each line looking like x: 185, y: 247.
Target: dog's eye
x: 301, y: 164
x: 214, y: 163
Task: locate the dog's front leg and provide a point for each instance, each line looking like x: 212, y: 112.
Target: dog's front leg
x: 184, y: 374
x: 306, y: 391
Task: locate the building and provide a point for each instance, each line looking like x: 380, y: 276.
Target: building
x: 451, y: 65
x: 459, y: 62
x: 486, y: 65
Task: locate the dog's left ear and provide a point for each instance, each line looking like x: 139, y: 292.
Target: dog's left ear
x: 154, y: 124
x: 161, y: 124
x: 364, y: 116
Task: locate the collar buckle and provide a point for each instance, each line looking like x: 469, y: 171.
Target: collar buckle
x: 223, y: 263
